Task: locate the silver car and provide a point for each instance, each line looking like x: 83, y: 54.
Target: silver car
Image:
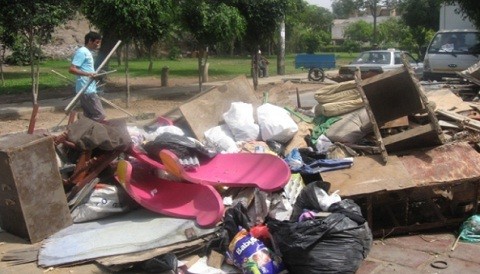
x: 377, y: 61
x: 451, y: 51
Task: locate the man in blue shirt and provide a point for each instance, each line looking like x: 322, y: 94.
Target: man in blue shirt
x: 83, y: 67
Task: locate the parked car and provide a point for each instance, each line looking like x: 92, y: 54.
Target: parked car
x: 451, y: 51
x: 373, y: 62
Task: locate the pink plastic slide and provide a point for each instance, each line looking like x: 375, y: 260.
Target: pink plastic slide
x: 176, y: 199
x: 262, y: 170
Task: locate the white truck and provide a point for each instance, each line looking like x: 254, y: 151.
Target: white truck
x: 455, y: 47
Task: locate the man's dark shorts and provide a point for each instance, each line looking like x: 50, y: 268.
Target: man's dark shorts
x: 92, y: 107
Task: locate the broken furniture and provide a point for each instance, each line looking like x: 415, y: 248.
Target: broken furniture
x: 472, y: 73
x: 395, y: 94
x: 31, y: 181
x: 424, y: 189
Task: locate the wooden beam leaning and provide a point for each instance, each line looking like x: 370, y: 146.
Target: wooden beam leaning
x: 421, y: 94
x: 376, y: 130
x: 80, y: 92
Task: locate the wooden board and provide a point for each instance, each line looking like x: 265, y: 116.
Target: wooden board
x: 449, y: 163
x: 205, y: 110
x: 445, y: 99
x: 369, y: 175
x: 399, y: 122
x: 33, y: 202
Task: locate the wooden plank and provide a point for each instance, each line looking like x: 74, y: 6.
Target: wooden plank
x: 472, y: 73
x: 445, y: 99
x: 205, y: 111
x: 408, y: 134
x: 449, y: 163
x: 463, y: 120
x: 392, y: 97
x: 369, y: 175
x: 399, y: 122
x: 371, y: 115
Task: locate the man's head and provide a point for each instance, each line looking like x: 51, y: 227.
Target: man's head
x: 93, y: 40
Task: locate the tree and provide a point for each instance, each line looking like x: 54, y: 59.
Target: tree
x: 262, y: 18
x: 394, y: 33
x: 469, y: 8
x: 422, y: 17
x: 343, y: 9
x: 34, y: 20
x: 2, y: 55
x: 308, y: 27
x: 128, y: 20
x: 315, y: 17
x: 211, y: 22
x: 359, y: 31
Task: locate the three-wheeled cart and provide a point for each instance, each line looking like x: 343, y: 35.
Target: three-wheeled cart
x: 315, y: 63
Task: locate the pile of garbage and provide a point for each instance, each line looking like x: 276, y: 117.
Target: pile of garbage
x: 237, y: 180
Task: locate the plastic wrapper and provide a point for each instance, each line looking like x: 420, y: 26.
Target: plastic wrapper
x: 471, y: 229
x: 252, y: 256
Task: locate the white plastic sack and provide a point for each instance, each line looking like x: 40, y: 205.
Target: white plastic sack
x: 104, y: 200
x: 275, y: 123
x: 220, y: 139
x: 325, y: 200
x: 170, y: 129
x: 137, y: 134
x: 240, y: 121
x: 323, y: 144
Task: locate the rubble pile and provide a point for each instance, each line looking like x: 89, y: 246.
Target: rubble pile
x: 240, y: 181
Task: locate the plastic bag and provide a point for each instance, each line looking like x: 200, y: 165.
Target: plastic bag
x: 103, y: 201
x: 239, y: 119
x: 471, y: 229
x: 323, y: 144
x: 307, y: 198
x: 252, y: 256
x: 335, y: 244
x: 275, y: 123
x: 220, y: 139
x: 325, y: 200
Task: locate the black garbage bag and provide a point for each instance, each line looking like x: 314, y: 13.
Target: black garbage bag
x: 180, y: 145
x: 307, y: 199
x: 335, y: 244
x: 235, y: 219
x: 161, y: 264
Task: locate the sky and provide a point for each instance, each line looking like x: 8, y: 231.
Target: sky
x: 322, y: 3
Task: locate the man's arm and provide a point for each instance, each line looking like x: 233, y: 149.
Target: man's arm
x: 76, y: 71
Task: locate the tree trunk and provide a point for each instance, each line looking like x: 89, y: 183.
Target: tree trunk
x: 127, y: 83
x: 205, y: 67
x: 281, y: 49
x: 199, y: 58
x: 2, y: 59
x: 374, y: 13
x: 150, y: 61
x: 232, y: 47
x: 108, y: 42
x: 255, y: 61
x: 202, y: 57
x: 32, y: 68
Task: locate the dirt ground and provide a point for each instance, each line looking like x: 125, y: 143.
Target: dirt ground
x: 139, y: 108
x: 47, y: 120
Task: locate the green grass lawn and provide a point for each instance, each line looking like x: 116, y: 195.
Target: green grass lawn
x: 18, y: 80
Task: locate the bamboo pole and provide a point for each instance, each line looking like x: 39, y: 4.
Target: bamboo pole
x: 79, y: 93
